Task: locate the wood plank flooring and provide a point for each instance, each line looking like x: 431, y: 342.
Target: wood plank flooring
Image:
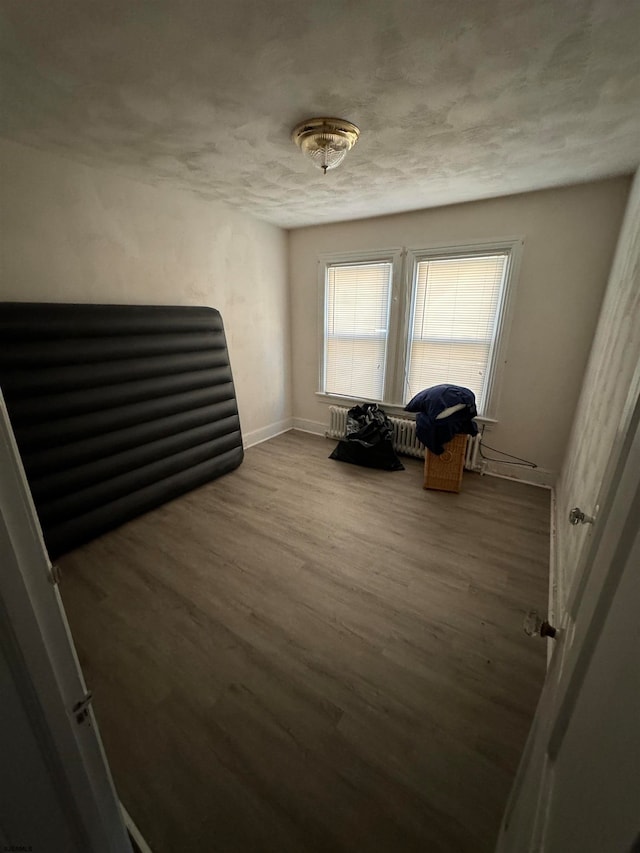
x: 313, y: 657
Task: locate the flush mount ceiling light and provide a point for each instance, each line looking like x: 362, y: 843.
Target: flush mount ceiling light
x: 325, y: 141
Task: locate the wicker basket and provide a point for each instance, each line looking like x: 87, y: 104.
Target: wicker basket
x: 444, y: 472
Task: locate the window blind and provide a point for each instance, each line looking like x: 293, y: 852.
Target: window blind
x: 357, y: 328
x: 455, y: 311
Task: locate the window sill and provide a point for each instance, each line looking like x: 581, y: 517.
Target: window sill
x: 390, y: 408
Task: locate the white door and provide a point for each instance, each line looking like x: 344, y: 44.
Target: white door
x: 56, y: 791
x: 578, y: 785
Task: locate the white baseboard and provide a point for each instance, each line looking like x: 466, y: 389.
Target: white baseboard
x: 314, y: 427
x: 533, y: 476
x: 257, y: 436
x: 134, y: 832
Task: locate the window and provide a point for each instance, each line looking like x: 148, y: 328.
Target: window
x: 396, y: 324
x: 456, y: 303
x: 357, y: 328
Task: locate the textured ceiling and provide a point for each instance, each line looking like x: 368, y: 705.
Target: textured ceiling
x: 456, y: 99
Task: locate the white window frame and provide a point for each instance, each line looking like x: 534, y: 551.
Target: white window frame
x: 393, y: 257
x: 404, y: 265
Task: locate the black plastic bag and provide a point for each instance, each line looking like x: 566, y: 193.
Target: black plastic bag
x: 368, y: 440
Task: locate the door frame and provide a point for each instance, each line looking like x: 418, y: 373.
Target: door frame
x: 601, y: 564
x: 37, y: 642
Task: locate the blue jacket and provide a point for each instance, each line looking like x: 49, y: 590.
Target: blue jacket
x: 431, y: 402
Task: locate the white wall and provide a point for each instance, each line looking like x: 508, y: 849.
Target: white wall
x: 614, y: 358
x: 71, y: 233
x: 569, y: 234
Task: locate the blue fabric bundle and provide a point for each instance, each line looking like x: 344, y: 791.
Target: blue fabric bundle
x: 433, y: 432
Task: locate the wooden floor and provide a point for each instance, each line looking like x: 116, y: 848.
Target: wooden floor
x: 310, y: 656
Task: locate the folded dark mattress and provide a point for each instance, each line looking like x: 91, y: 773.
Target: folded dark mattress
x: 116, y: 409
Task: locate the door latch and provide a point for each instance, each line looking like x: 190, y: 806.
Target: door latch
x: 81, y: 709
x: 577, y: 516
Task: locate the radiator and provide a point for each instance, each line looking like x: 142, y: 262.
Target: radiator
x: 404, y: 437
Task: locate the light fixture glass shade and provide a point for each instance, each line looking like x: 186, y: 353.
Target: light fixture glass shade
x: 325, y: 141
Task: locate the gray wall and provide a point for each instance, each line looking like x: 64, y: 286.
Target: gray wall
x: 72, y: 233
x: 614, y: 358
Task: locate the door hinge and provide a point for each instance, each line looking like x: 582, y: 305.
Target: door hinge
x: 55, y: 575
x: 81, y: 709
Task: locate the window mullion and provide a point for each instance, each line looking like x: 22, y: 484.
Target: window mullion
x: 396, y: 345
x: 406, y: 319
